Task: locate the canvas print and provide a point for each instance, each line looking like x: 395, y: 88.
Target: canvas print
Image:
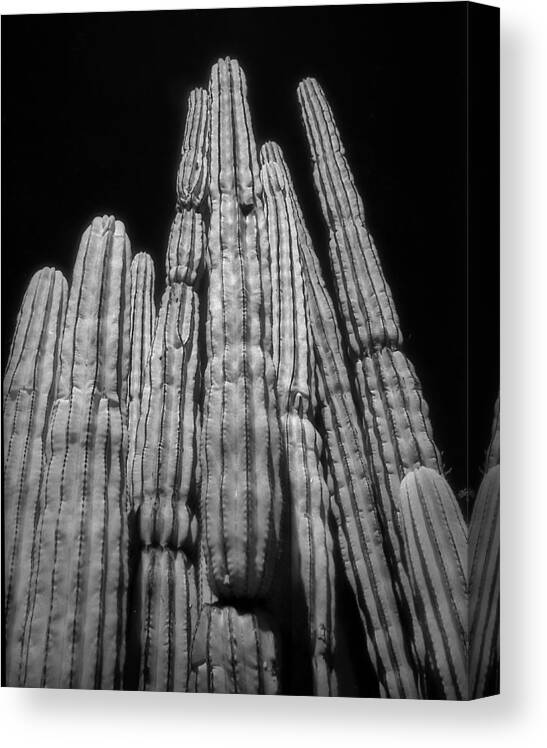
x: 254, y: 448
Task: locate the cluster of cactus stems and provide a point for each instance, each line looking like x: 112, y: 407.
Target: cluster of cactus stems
x: 186, y: 490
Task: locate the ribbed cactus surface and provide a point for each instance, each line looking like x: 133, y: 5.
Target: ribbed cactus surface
x: 355, y: 511
x: 30, y: 384
x: 241, y: 488
x: 234, y: 652
x: 397, y: 430
x: 197, y: 496
x: 436, y: 549
x: 164, y: 466
x: 312, y: 555
x: 484, y: 574
x: 75, y: 608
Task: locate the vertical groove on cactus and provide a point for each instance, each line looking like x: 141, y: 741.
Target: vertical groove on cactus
x: 313, y: 564
x: 164, y: 469
x: 75, y: 612
x: 484, y: 569
x: 142, y: 321
x: 29, y: 387
x: 436, y: 549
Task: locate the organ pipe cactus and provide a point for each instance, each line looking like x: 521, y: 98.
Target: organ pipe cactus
x: 189, y: 492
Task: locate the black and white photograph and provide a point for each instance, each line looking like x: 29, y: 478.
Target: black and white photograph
x: 251, y: 351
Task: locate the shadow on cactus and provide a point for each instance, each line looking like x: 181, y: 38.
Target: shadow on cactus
x: 195, y: 495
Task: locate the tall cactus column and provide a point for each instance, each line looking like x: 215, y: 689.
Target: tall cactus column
x: 165, y: 467
x: 359, y: 531
x: 388, y: 394
x: 75, y: 613
x: 30, y: 383
x: 235, y: 648
x: 313, y: 564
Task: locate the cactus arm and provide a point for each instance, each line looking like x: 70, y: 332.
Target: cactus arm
x: 484, y: 570
x: 387, y: 392
x: 313, y: 564
x: 435, y: 537
x: 75, y: 609
x: 241, y: 494
x: 395, y: 413
x: 165, y: 464
x: 192, y: 173
x: 358, y: 529
x: 29, y: 388
x: 365, y: 298
x: 142, y: 322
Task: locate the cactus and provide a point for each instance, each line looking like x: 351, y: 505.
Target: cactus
x: 484, y: 563
x: 164, y: 477
x: 394, y: 412
x: 193, y: 496
x: 387, y: 392
x: 313, y: 563
x: 241, y: 496
x: 358, y: 528
x: 143, y: 318
x: 30, y: 383
x: 436, y: 549
x: 75, y: 611
x: 235, y: 652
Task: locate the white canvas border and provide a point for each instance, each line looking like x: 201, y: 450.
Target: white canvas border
x: 517, y: 717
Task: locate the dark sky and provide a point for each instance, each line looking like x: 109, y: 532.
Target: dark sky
x: 93, y: 111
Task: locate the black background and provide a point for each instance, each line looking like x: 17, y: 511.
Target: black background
x: 93, y: 111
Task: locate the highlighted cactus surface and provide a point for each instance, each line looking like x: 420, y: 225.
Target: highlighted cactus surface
x: 199, y: 484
